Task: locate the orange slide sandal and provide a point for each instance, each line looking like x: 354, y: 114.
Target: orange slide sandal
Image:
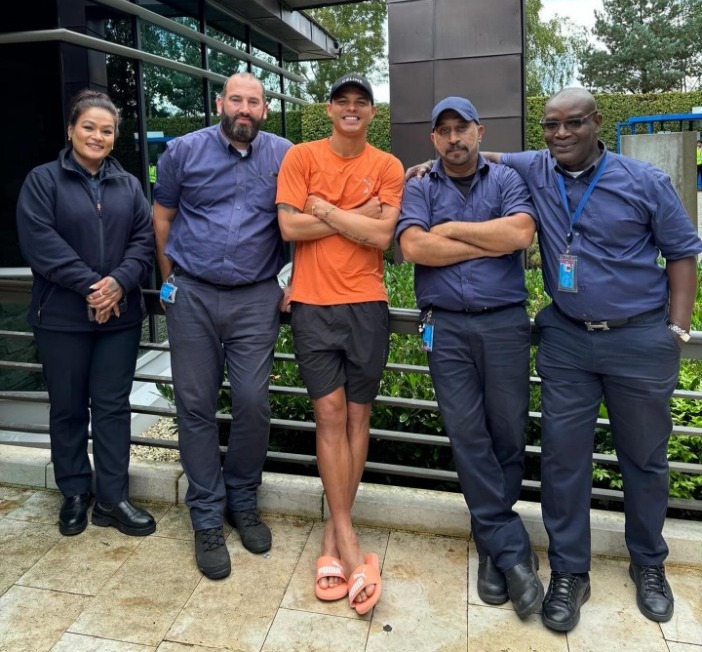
x: 363, y: 576
x: 330, y: 567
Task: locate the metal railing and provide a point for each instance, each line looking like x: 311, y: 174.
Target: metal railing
x: 402, y: 321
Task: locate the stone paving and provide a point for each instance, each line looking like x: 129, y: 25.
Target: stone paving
x: 104, y: 591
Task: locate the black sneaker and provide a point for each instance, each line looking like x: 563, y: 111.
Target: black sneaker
x: 654, y: 596
x: 254, y: 533
x: 566, y: 594
x: 211, y: 553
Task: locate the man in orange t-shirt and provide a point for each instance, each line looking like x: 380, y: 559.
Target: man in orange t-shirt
x: 338, y: 201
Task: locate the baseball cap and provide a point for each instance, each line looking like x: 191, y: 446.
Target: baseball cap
x: 352, y: 79
x: 458, y: 104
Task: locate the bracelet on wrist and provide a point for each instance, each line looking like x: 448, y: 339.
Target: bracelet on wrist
x: 680, y: 332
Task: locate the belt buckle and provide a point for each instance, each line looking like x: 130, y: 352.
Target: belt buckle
x: 596, y: 325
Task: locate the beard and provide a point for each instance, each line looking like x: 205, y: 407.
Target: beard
x: 240, y: 133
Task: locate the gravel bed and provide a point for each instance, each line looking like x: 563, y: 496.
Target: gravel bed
x: 162, y: 429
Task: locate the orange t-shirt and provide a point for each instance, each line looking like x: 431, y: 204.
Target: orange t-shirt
x: 335, y: 270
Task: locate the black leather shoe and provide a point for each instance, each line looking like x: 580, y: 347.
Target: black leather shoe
x: 524, y: 586
x: 653, y: 593
x: 492, y: 585
x: 254, y: 533
x: 566, y: 594
x: 73, y: 517
x: 127, y: 518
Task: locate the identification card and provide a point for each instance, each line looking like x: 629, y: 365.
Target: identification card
x: 567, y: 278
x: 428, y: 337
x: 168, y: 293
x: 426, y: 330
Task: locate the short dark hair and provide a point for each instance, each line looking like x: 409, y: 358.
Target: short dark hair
x: 89, y: 99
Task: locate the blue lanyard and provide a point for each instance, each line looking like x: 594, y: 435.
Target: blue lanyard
x: 574, y: 217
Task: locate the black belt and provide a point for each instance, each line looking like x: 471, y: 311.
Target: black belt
x: 179, y: 271
x: 482, y: 311
x: 608, y: 324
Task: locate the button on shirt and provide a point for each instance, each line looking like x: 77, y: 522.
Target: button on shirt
x: 476, y: 284
x: 632, y: 216
x: 226, y: 228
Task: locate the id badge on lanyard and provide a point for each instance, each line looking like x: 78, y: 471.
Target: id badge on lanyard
x: 568, y: 263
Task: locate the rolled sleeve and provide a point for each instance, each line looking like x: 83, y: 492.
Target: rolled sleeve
x: 414, y: 208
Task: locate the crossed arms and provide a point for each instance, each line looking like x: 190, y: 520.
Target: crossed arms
x: 456, y: 241
x: 371, y: 224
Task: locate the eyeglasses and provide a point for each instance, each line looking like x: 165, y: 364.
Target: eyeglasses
x: 571, y: 124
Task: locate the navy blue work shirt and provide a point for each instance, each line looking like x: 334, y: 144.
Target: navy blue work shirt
x: 226, y: 228
x: 632, y: 216
x: 475, y: 284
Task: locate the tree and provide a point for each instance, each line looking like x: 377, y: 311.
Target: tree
x: 552, y: 51
x: 650, y: 46
x: 359, y: 29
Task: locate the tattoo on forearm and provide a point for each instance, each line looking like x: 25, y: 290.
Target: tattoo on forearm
x: 346, y: 234
x: 288, y: 208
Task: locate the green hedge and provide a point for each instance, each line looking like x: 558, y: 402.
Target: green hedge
x: 618, y: 108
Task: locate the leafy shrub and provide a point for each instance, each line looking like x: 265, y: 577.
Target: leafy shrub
x: 406, y: 350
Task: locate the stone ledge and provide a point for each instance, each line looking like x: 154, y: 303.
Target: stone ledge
x: 25, y: 466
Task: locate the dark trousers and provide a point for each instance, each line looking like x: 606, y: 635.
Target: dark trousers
x: 635, y: 369
x: 93, y: 369
x: 208, y: 327
x: 480, y: 369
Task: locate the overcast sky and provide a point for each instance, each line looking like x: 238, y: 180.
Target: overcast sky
x: 581, y: 12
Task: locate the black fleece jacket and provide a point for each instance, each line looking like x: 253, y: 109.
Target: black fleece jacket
x: 71, y: 241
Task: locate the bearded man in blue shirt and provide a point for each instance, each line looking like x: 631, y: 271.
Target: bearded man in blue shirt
x: 219, y: 250
x: 614, y: 331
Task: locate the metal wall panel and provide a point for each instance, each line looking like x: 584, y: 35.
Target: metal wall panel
x: 471, y: 48
x: 411, y: 92
x: 411, y: 31
x: 493, y: 84
x: 468, y: 28
x: 411, y: 143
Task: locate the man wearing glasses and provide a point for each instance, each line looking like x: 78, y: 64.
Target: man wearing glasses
x: 614, y: 331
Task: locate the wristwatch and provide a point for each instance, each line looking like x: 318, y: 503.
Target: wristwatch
x: 680, y: 332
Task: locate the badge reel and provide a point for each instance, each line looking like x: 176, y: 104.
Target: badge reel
x: 426, y: 330
x: 168, y: 290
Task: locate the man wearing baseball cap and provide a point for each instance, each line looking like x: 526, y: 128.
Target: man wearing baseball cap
x: 338, y: 201
x: 464, y: 225
x: 352, y: 79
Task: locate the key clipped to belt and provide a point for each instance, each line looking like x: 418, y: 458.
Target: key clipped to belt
x: 426, y: 330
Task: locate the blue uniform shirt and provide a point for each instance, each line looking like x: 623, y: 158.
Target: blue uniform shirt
x: 632, y: 217
x: 476, y: 284
x: 226, y: 229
